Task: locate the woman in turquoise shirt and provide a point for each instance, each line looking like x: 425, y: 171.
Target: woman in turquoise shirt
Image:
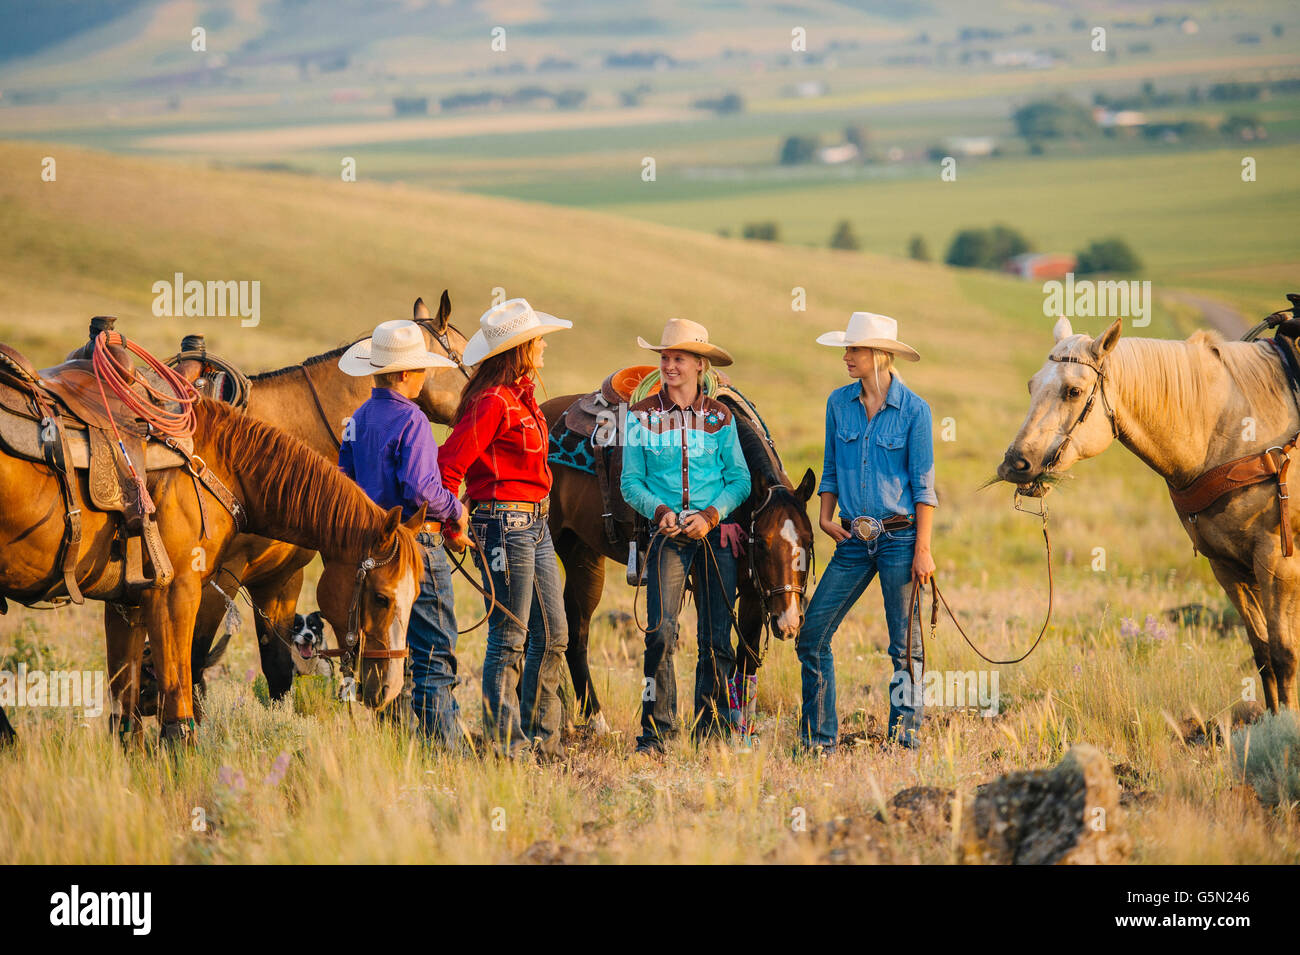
x: 879, y: 469
x: 684, y: 470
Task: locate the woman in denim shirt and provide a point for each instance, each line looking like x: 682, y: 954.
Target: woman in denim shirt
x: 682, y: 456
x: 879, y: 469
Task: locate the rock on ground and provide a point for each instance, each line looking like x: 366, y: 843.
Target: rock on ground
x: 1067, y: 815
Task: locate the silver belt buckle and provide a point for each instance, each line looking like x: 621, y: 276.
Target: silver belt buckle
x: 867, y: 528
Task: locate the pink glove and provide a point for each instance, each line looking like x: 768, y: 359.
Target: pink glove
x: 733, y: 536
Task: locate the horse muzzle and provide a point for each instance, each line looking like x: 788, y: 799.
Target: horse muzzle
x: 381, y: 681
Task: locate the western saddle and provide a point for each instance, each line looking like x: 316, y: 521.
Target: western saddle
x: 58, y: 417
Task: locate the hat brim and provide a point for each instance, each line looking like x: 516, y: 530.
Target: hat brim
x: 716, y: 355
x: 838, y: 339
x: 357, y: 363
x: 477, y: 348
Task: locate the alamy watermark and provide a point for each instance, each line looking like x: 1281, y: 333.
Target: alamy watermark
x: 53, y: 688
x: 1086, y: 298
x: 959, y: 689
x: 182, y: 298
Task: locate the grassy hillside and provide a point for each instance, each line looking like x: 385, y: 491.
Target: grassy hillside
x: 335, y: 258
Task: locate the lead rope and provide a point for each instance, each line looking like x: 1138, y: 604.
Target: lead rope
x: 937, y: 597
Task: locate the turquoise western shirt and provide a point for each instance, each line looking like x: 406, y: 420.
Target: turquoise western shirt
x: 884, y: 465
x: 653, y: 465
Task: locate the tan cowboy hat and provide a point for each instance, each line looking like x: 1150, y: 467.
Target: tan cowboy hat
x: 504, y: 326
x: 395, y: 346
x: 869, y: 330
x: 681, y: 334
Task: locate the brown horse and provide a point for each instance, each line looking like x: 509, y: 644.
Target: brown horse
x: 772, y: 594
x: 282, y: 489
x: 312, y: 401
x: 1183, y: 408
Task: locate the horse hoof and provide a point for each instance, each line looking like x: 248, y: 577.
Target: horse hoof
x: 178, y: 732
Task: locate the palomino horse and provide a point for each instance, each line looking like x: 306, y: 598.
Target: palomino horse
x: 311, y: 401
x: 771, y: 595
x: 1183, y: 407
x: 282, y: 490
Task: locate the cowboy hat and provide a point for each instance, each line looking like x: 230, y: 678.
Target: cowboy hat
x: 681, y: 334
x: 398, y: 345
x: 869, y: 330
x: 504, y: 326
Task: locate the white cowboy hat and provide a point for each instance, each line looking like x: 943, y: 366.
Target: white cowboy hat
x: 506, y: 325
x: 681, y: 334
x: 398, y: 345
x: 869, y: 330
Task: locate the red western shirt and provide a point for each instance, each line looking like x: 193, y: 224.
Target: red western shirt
x: 499, y: 447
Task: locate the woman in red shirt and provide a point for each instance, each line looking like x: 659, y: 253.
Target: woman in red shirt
x: 498, y: 447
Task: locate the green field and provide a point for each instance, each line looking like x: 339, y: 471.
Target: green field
x: 334, y: 259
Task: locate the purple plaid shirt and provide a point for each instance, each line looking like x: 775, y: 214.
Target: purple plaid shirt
x: 393, y: 456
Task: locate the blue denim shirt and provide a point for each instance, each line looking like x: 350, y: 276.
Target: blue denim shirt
x: 880, y: 466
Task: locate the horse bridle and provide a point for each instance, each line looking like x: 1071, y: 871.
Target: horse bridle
x: 444, y: 340
x: 1098, y: 387
x: 355, y: 637
x: 765, y: 593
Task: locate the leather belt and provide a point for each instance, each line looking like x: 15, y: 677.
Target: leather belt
x: 539, y: 508
x: 869, y: 528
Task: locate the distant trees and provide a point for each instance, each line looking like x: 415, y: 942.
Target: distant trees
x: 917, y: 249
x: 764, y: 231
x: 1107, y: 255
x: 843, y: 237
x: 986, y: 248
x: 1059, y: 118
x: 799, y: 149
x: 730, y: 103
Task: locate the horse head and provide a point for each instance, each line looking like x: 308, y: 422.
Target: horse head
x: 1071, y: 416
x: 367, y: 600
x: 442, y: 387
x: 780, y: 552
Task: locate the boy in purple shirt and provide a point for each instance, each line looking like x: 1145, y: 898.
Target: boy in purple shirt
x: 389, y: 450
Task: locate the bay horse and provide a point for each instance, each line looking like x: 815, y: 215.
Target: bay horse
x: 312, y: 401
x: 771, y: 595
x: 1184, y: 408
x: 281, y: 489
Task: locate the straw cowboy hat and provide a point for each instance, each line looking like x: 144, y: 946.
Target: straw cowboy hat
x: 681, y: 334
x: 395, y: 346
x: 868, y: 330
x: 504, y: 326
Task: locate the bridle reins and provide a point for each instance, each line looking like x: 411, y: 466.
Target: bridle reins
x: 1098, y: 388
x: 355, y: 637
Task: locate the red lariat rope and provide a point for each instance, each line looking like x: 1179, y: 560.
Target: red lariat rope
x: 112, y: 376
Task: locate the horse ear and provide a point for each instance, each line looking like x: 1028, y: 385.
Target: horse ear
x: 1102, y: 345
x: 421, y: 310
x: 1062, y: 330
x: 416, y: 519
x: 391, y: 520
x: 444, y: 311
x: 805, y: 489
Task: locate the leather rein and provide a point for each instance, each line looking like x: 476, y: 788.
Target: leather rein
x: 356, y: 633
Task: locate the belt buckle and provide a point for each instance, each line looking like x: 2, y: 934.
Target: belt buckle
x: 866, y: 528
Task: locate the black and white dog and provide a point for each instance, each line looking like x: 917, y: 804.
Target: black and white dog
x: 308, y: 642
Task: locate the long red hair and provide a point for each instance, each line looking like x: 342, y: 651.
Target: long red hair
x: 502, y: 369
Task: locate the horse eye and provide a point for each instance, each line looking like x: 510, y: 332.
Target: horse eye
x: 381, y: 599
x: 1073, y: 392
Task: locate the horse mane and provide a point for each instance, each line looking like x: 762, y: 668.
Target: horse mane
x: 1166, y: 378
x: 305, y: 490
x: 758, y: 456
x: 333, y: 353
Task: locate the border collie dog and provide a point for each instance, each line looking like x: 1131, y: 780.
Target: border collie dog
x: 308, y: 641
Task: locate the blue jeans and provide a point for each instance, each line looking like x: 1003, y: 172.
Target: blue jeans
x: 851, y: 569
x: 522, y: 670
x: 431, y: 636
x: 669, y: 561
